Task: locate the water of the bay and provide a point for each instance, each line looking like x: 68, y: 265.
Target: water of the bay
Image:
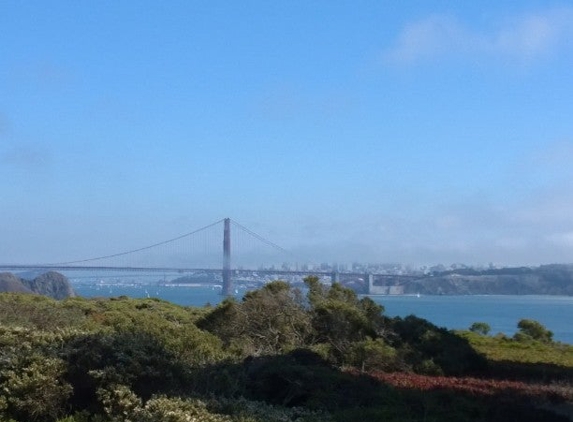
x: 454, y: 312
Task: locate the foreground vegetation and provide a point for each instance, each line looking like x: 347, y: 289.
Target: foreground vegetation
x: 277, y: 355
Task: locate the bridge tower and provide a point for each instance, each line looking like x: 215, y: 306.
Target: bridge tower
x: 369, y: 281
x: 227, y: 282
x: 335, y: 277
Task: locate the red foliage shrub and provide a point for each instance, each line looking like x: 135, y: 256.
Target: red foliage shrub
x: 473, y: 386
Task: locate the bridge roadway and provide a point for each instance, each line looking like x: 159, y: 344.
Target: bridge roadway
x: 237, y: 271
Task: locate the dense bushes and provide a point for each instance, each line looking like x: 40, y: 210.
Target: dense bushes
x: 33, y: 388
x: 277, y: 355
x: 342, y: 328
x: 85, y: 346
x: 268, y: 321
x: 432, y: 350
x: 303, y: 378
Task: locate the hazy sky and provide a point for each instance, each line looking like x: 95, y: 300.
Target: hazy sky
x: 414, y: 131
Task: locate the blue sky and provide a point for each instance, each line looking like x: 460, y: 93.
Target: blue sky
x: 416, y: 132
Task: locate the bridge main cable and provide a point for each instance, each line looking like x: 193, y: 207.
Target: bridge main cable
x: 260, y: 238
x: 139, y: 249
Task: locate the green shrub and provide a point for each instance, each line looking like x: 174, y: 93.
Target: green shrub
x: 340, y: 319
x: 303, y: 378
x: 531, y: 329
x: 132, y: 358
x: 372, y: 354
x: 271, y: 320
x: 482, y: 328
x: 420, y: 342
x: 34, y: 388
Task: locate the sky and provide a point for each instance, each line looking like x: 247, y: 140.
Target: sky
x: 419, y: 132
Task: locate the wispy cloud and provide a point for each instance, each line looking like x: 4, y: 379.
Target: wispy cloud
x: 523, y: 37
x: 430, y: 37
x: 41, y: 75
x: 29, y: 158
x: 533, y: 230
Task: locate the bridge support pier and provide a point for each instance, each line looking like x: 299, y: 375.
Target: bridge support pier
x: 335, y: 277
x: 227, y: 281
x: 369, y: 282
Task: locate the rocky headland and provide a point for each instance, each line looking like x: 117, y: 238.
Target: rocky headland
x: 52, y: 284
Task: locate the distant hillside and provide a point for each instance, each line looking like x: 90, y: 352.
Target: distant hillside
x: 198, y: 278
x: 50, y: 284
x: 543, y: 280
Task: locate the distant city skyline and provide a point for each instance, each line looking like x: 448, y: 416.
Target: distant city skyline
x: 413, y: 132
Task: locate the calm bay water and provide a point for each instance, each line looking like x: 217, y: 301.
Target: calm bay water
x: 454, y: 312
x: 501, y: 312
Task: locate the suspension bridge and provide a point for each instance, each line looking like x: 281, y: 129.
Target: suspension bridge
x: 243, y: 252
